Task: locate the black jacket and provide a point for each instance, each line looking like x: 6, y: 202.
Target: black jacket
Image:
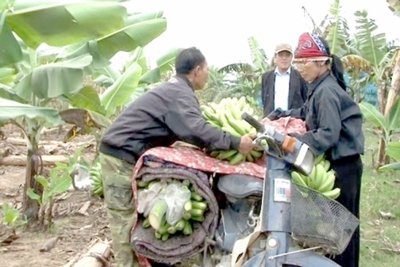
x: 159, y: 117
x: 297, y: 90
x: 333, y: 120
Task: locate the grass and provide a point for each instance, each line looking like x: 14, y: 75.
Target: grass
x: 380, y: 193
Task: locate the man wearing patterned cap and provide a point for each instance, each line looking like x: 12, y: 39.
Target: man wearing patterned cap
x: 282, y: 87
x: 334, y: 126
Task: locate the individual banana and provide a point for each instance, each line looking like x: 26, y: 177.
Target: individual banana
x: 297, y: 179
x: 224, y: 154
x: 333, y: 194
x: 328, y: 183
x: 327, y: 165
x: 237, y: 158
x: 249, y: 158
x: 320, y: 176
x: 319, y: 158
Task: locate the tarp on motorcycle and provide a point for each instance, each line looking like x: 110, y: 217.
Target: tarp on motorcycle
x: 193, y: 164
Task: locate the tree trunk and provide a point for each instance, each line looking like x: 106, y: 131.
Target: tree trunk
x: 394, y: 88
x: 391, y: 99
x: 381, y: 95
x: 33, y: 165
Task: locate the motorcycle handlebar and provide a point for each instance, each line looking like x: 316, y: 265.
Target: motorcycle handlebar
x: 253, y: 122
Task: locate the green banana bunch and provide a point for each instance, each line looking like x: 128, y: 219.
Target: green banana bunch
x: 320, y: 179
x: 227, y: 115
x: 95, y: 176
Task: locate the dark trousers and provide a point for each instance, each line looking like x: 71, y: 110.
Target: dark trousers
x: 348, y: 179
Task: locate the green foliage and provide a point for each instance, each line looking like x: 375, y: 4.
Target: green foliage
x: 11, y: 216
x: 338, y: 30
x: 370, y: 44
x: 389, y: 126
x: 58, y: 182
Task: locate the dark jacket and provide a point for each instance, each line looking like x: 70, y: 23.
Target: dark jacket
x: 297, y: 90
x: 159, y: 117
x: 333, y: 120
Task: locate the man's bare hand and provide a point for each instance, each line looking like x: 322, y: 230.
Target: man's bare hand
x: 265, y: 120
x: 246, y: 144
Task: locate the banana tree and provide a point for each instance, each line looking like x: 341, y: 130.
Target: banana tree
x: 373, y: 47
x: 337, y: 30
x: 246, y: 77
x: 103, y: 26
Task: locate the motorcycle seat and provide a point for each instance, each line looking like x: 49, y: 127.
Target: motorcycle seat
x: 240, y: 185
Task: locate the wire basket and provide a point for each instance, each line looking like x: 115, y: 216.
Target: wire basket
x: 320, y: 221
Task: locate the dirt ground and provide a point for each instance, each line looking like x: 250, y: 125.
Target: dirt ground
x: 75, y: 228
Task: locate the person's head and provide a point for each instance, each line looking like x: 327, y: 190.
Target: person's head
x: 313, y: 57
x: 192, y: 63
x: 283, y: 56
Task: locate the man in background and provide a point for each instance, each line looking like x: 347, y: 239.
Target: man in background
x: 283, y: 87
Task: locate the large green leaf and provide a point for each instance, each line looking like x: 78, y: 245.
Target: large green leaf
x: 10, y: 110
x: 7, y: 93
x: 131, y: 36
x: 138, y: 31
x: 139, y: 17
x: 370, y: 43
x: 391, y: 166
x: 338, y: 33
x: 60, y: 184
x: 394, y: 116
x: 10, y: 51
x: 59, y: 23
x: 164, y: 63
x: 119, y: 93
x: 372, y: 114
x: 78, y: 49
x: 87, y: 98
x: 7, y: 75
x: 259, y: 58
x: 5, y: 4
x: 393, y: 150
x: 55, y: 79
x: 137, y: 56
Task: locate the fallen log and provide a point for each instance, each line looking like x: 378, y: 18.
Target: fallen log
x: 20, y: 160
x: 97, y: 256
x: 22, y: 142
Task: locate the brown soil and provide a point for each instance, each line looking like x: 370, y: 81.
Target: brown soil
x: 75, y: 230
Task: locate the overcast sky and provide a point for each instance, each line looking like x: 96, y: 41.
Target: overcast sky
x: 220, y: 28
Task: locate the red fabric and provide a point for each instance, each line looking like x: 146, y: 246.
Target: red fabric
x: 307, y: 47
x: 197, y: 159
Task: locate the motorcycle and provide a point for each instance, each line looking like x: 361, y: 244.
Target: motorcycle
x: 255, y: 215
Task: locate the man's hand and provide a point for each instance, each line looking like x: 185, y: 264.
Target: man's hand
x: 265, y: 120
x: 246, y: 144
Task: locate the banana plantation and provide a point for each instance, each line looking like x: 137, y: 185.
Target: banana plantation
x: 59, y: 91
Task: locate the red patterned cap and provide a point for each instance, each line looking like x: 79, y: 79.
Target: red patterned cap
x: 310, y: 45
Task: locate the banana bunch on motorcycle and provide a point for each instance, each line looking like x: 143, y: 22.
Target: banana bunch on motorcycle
x: 227, y: 115
x: 321, y: 179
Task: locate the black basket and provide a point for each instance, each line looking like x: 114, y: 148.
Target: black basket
x: 320, y: 221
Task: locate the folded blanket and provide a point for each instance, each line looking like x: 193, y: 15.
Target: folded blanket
x: 180, y: 246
